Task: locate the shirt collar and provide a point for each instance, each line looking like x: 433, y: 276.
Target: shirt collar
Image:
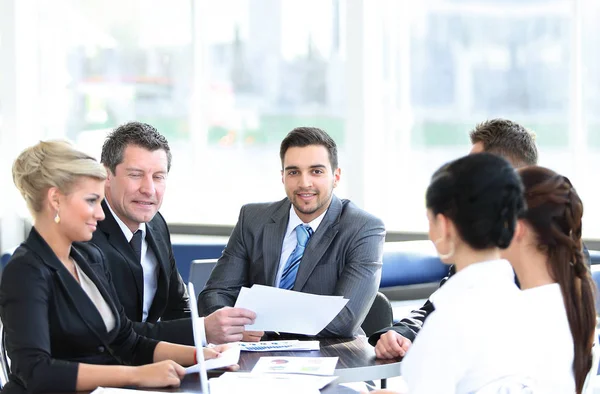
x: 126, y: 231
x: 294, y: 221
x: 484, y: 274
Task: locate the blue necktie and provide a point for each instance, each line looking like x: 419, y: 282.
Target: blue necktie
x: 288, y: 277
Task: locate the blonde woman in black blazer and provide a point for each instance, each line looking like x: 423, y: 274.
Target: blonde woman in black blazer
x: 65, y: 328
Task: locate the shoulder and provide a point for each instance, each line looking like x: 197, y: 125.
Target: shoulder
x: 90, y: 252
x: 24, y: 265
x: 263, y: 210
x: 350, y: 213
x: 158, y: 221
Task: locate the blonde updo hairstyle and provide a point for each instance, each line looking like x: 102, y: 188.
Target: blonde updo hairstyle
x: 51, y: 164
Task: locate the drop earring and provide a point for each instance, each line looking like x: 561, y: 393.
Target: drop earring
x: 57, y: 218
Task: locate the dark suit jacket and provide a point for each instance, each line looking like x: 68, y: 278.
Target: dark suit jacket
x: 52, y: 325
x: 171, y: 299
x: 343, y: 258
x: 410, y: 326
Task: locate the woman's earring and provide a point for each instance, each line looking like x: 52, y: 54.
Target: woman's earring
x: 57, y: 218
x: 446, y: 255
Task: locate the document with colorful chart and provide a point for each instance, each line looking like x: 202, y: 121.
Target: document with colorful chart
x: 324, y: 366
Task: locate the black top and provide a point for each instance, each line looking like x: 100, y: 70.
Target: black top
x: 51, y: 324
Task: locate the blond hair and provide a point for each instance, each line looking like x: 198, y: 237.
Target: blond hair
x: 51, y: 164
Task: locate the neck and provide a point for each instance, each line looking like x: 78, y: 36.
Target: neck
x: 531, y: 267
x: 467, y: 256
x: 60, y: 245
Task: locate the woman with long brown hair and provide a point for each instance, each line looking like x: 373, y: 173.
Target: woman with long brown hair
x: 546, y: 254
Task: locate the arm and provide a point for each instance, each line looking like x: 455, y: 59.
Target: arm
x: 359, y: 280
x: 175, y: 331
x: 410, y: 326
x: 229, y: 275
x: 177, y: 305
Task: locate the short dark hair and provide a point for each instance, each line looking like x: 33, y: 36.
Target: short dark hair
x: 508, y: 139
x: 132, y: 133
x: 305, y: 136
x: 482, y: 195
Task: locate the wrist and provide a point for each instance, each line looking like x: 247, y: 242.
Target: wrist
x: 132, y: 375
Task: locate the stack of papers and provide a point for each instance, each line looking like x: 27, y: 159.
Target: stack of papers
x: 282, y: 310
x: 273, y: 346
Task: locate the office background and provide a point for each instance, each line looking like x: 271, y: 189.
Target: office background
x: 397, y: 83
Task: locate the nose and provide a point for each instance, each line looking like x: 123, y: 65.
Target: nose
x: 147, y: 186
x: 305, y: 180
x: 99, y: 213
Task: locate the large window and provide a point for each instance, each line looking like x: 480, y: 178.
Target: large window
x: 398, y: 84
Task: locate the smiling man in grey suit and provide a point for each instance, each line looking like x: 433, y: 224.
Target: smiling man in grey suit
x: 311, y: 241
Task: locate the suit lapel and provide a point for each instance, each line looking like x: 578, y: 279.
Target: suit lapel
x: 116, y: 238
x: 319, y: 243
x: 82, y: 303
x: 162, y: 288
x: 273, y: 235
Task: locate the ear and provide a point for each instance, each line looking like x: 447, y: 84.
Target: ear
x: 336, y: 176
x: 53, y: 197
x: 522, y: 231
x: 109, y: 176
x: 282, y: 179
x: 444, y: 225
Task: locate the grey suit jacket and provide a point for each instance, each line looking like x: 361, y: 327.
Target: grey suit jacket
x: 343, y: 257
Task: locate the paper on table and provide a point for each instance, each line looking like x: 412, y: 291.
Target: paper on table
x: 304, y: 365
x: 229, y: 357
x: 274, y: 346
x: 113, y: 390
x: 287, y: 311
x: 306, y: 380
x: 258, y: 385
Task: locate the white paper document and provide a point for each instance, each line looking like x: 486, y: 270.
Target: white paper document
x: 288, y: 311
x: 233, y: 382
x: 229, y: 357
x: 282, y: 346
x: 324, y: 366
x: 113, y: 390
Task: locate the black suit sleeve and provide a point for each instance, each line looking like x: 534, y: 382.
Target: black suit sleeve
x: 174, y: 331
x: 177, y: 306
x: 410, y: 326
x: 25, y: 296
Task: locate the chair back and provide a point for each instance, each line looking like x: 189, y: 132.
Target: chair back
x: 4, y: 361
x: 380, y: 315
x: 200, y: 271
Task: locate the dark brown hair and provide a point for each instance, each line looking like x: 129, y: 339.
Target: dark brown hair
x: 507, y: 139
x: 305, y: 136
x: 554, y: 211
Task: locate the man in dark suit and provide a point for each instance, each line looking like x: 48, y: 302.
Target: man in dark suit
x: 311, y: 241
x: 136, y: 242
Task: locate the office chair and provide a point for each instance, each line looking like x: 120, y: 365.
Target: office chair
x: 380, y: 316
x: 200, y: 271
x: 4, y: 361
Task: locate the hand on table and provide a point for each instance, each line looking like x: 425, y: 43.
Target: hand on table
x: 392, y: 345
x: 253, y: 336
x: 160, y: 374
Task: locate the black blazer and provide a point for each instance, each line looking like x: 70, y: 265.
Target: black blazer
x: 171, y: 298
x: 52, y: 325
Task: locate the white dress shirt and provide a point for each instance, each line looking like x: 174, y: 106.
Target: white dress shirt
x: 291, y: 240
x: 149, y: 263
x: 472, y: 338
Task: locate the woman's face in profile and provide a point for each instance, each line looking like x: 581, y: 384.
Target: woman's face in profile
x: 80, y: 210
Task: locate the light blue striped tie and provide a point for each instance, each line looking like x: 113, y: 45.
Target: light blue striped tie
x: 288, y: 277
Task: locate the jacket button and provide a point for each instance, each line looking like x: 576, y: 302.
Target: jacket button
x: 101, y: 349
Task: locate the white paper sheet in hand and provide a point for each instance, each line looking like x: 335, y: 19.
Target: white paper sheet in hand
x: 229, y: 357
x: 289, y: 311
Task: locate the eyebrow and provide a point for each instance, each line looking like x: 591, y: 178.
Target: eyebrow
x: 94, y: 195
x: 297, y: 168
x: 134, y: 169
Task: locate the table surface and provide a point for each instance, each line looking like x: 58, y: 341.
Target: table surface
x: 356, y: 359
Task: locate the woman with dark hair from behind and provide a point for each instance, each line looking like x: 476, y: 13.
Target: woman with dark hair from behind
x: 546, y: 254
x: 472, y: 205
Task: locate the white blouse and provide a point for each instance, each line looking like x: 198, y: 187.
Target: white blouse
x: 92, y: 291
x: 473, y: 337
x: 551, y: 343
